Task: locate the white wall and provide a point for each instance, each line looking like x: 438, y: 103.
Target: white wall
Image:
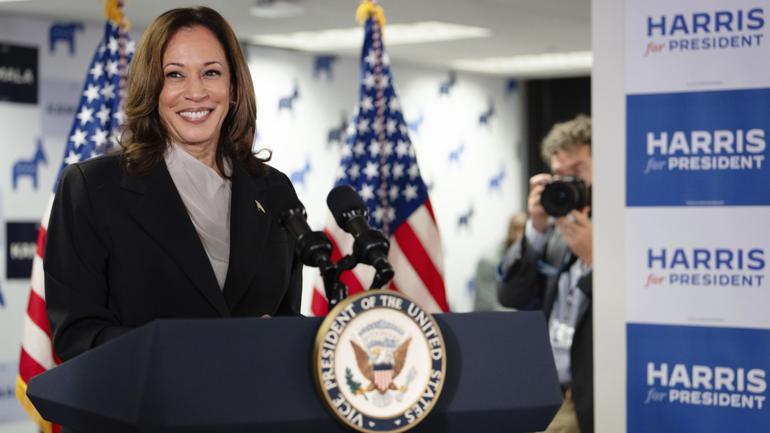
x: 609, y: 117
x: 449, y: 123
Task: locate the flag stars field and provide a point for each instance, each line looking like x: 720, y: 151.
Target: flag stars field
x: 108, y: 91
x: 371, y: 170
x: 369, y: 81
x: 97, y: 70
x: 354, y: 171
x: 366, y: 192
x: 367, y: 104
x: 85, y: 115
x: 104, y: 114
x: 359, y: 149
x: 78, y: 138
x: 112, y: 68
x: 99, y: 138
x: 91, y: 93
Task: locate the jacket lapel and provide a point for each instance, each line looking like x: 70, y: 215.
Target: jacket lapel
x: 163, y: 215
x: 249, y: 228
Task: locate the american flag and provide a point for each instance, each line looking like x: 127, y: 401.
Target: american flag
x: 379, y: 162
x: 95, y: 130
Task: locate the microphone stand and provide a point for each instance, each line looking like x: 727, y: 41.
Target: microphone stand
x: 315, y: 250
x: 371, y: 247
x: 336, y: 290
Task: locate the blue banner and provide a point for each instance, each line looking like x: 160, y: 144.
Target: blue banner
x: 698, y: 148
x: 697, y: 379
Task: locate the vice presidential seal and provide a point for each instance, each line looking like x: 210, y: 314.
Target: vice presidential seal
x: 379, y: 362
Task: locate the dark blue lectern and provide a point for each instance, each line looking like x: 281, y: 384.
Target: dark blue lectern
x: 255, y: 375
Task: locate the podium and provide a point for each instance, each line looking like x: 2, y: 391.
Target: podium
x: 255, y: 375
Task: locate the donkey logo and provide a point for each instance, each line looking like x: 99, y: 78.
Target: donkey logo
x: 28, y: 167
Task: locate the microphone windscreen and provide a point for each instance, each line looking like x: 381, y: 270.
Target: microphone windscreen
x: 341, y: 200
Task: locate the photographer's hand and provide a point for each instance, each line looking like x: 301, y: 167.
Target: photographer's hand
x: 534, y: 208
x: 577, y: 230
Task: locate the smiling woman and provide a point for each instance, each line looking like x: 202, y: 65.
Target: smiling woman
x: 186, y: 58
x: 172, y: 225
x: 196, y: 92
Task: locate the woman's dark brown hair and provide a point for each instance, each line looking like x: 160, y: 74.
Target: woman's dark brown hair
x: 145, y: 138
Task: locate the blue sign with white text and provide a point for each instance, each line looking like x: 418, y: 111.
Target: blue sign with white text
x: 698, y: 148
x: 697, y: 379
x: 21, y: 247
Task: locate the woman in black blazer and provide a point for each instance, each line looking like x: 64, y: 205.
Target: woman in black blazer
x: 124, y: 246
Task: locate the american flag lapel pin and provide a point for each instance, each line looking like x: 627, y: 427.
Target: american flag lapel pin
x: 259, y: 206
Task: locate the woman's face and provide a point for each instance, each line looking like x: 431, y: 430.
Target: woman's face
x: 195, y: 96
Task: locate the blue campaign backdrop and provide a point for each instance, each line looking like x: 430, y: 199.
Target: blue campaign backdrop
x: 698, y: 148
x: 697, y: 379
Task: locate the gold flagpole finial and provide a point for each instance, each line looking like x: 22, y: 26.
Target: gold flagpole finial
x: 369, y: 8
x: 113, y: 10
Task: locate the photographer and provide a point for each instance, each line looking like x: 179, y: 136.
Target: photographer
x: 550, y: 268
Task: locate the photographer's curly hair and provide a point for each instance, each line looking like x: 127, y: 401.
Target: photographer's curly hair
x: 567, y: 136
x: 145, y: 138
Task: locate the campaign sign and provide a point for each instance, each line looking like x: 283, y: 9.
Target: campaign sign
x: 21, y: 238
x: 697, y: 379
x: 698, y: 148
x: 673, y: 46
x: 18, y: 73
x: 690, y: 267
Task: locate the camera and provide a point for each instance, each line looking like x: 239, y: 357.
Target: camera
x: 564, y: 194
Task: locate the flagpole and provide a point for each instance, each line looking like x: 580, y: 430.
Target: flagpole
x: 123, y: 29
x: 113, y: 9
x: 379, y: 124
x: 370, y: 9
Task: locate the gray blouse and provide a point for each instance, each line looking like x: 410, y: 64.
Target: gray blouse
x: 206, y: 195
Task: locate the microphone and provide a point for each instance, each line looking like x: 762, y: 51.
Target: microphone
x: 370, y: 246
x: 314, y: 248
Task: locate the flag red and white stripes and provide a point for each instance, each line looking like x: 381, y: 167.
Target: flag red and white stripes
x: 37, y: 354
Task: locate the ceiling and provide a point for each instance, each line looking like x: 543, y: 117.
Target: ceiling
x: 518, y: 26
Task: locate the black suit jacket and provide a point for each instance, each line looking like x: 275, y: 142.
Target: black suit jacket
x: 524, y: 287
x: 122, y: 251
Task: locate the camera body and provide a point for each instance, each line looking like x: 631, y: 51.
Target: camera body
x: 563, y: 194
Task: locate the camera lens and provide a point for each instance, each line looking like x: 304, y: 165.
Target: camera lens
x: 562, y: 197
x: 559, y: 198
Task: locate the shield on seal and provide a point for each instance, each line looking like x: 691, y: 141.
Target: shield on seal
x: 383, y: 375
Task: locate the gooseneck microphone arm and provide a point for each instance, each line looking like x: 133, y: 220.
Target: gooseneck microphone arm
x: 313, y: 247
x: 370, y: 246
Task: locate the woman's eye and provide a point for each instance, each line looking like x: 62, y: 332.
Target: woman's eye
x: 173, y: 74
x: 213, y: 73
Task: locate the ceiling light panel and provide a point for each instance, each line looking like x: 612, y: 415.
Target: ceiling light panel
x: 351, y: 38
x: 576, y: 62
x: 276, y: 9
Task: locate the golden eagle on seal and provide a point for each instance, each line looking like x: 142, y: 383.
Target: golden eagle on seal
x: 385, y: 365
